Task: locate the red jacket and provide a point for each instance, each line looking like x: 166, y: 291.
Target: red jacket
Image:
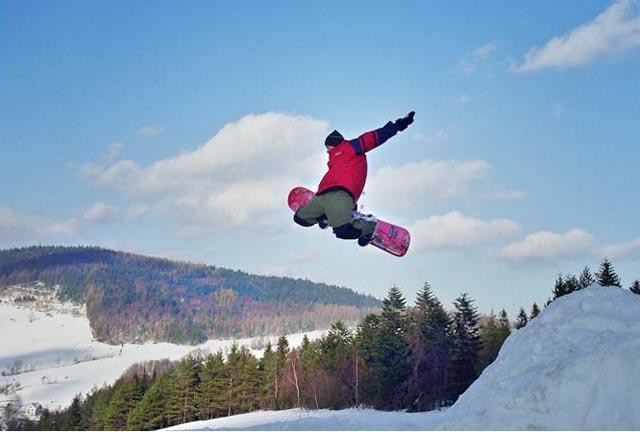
x: 348, y: 162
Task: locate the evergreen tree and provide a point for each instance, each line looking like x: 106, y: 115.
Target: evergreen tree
x: 535, y: 311
x: 182, y: 404
x: 607, y: 276
x: 367, y: 340
x: 391, y: 351
x: 210, y: 392
x: 248, y: 381
x: 560, y: 288
x: 152, y: 412
x: 586, y: 278
x: 571, y: 284
x: 522, y: 319
x: 635, y: 287
x: 466, y: 346
x: 282, y: 350
x: 127, y: 392
x: 267, y: 378
x: 309, y: 376
x: 73, y: 414
x: 234, y: 375
x: 337, y: 358
x: 430, y: 346
x: 505, y: 325
x: 493, y: 335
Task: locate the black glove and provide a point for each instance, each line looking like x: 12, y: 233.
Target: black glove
x: 404, y: 122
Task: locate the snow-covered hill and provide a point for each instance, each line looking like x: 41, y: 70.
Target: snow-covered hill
x: 49, y: 357
x: 576, y: 366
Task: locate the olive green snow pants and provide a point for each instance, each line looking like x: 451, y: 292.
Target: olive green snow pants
x: 337, y: 206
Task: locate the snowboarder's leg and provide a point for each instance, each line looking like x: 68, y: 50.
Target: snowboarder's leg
x: 310, y: 214
x: 339, y: 207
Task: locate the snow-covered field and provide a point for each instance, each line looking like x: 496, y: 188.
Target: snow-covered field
x: 59, y: 358
x: 575, y: 367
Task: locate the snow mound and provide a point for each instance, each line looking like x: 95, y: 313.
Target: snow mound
x: 573, y: 367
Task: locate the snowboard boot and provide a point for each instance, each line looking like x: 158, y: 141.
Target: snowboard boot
x: 323, y: 222
x: 365, y: 239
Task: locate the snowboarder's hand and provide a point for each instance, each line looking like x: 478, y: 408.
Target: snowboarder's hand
x: 404, y: 122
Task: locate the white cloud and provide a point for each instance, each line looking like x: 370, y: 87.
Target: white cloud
x: 549, y: 246
x: 614, y: 30
x: 101, y: 213
x: 113, y: 151
x: 454, y: 230
x: 469, y: 63
x: 91, y: 170
x: 403, y: 186
x: 34, y: 227
x: 151, y: 131
x: 622, y: 250
x: 239, y: 177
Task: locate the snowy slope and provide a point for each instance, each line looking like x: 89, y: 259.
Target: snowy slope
x: 296, y: 419
x: 576, y: 366
x: 58, y: 357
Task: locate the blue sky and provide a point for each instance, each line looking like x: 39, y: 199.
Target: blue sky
x: 176, y: 129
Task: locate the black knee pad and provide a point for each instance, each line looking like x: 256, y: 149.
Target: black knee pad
x: 301, y: 221
x: 347, y: 232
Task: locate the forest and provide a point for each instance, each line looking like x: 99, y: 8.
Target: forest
x: 133, y: 298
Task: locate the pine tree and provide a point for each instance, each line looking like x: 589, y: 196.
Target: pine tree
x: 607, y: 275
x: 492, y: 337
x: 248, y: 381
x: 466, y: 346
x: 535, y: 311
x: 571, y: 284
x: 183, y: 407
x: 560, y: 288
x: 522, y: 319
x: 73, y: 414
x: 282, y: 351
x: 267, y: 378
x: 635, y: 287
x: 337, y: 358
x: 127, y: 393
x: 586, y: 278
x: 210, y: 391
x: 367, y: 340
x: 391, y: 351
x: 430, y: 350
x: 504, y: 321
x: 152, y: 412
x: 309, y: 376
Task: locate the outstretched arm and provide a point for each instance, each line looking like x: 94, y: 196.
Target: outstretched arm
x: 370, y: 140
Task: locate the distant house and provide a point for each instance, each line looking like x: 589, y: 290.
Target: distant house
x: 32, y: 411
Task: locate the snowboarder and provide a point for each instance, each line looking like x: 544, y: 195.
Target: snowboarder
x: 342, y: 185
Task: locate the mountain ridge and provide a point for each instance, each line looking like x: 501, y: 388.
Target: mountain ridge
x: 136, y: 298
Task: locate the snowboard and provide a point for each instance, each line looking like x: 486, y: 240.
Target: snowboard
x: 388, y: 237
